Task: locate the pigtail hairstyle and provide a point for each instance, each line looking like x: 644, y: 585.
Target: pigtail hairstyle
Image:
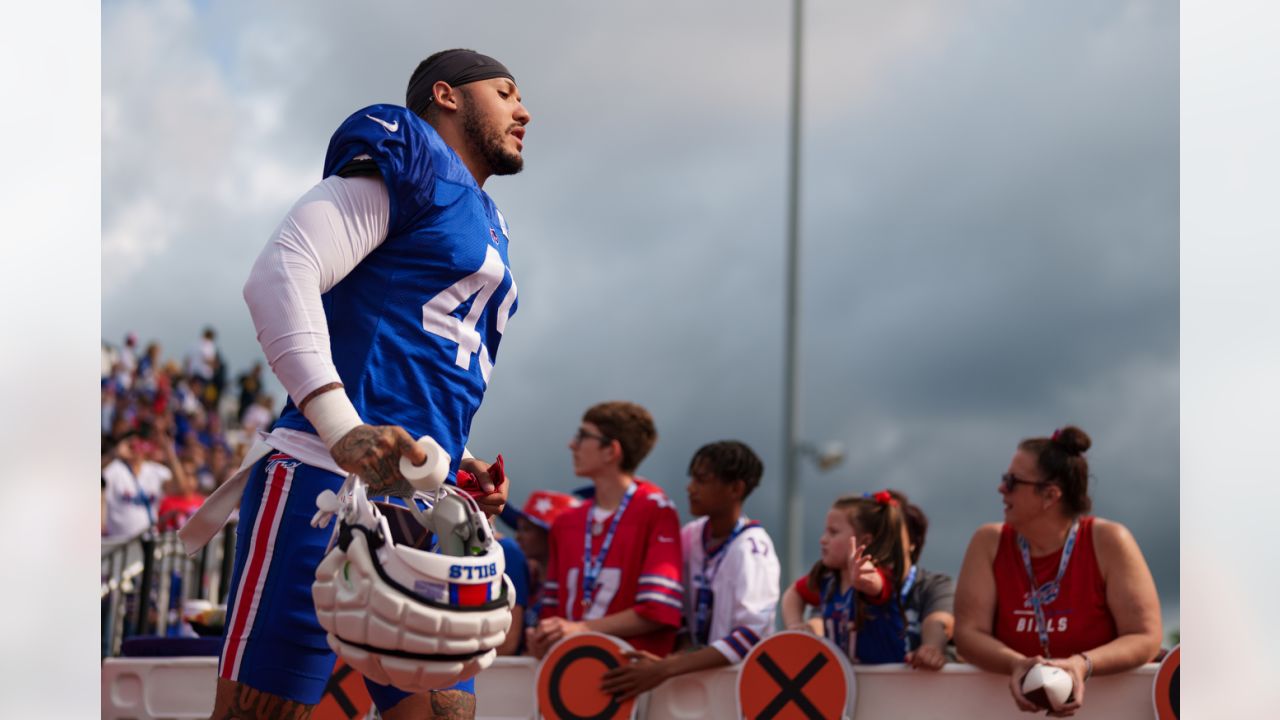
x: 882, y: 517
x: 917, y: 524
x: 1060, y: 459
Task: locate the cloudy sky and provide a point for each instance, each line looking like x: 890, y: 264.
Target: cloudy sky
x: 989, y: 221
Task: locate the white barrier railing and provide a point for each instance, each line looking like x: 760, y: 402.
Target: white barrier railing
x: 183, y: 688
x: 138, y: 575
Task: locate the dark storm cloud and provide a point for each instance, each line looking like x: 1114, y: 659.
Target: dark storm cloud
x: 992, y: 251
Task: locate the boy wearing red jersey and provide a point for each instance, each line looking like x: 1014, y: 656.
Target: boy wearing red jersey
x: 614, y: 563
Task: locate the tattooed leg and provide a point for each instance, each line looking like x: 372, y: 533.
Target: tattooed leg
x: 453, y: 705
x: 438, y: 705
x: 236, y: 701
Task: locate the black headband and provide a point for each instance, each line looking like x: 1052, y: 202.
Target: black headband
x: 456, y: 67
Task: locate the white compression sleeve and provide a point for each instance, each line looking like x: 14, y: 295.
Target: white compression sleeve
x: 326, y: 234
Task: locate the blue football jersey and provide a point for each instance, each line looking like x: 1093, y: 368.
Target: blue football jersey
x: 414, y: 329
x: 881, y: 639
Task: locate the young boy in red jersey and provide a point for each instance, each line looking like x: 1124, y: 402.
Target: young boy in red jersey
x: 613, y: 564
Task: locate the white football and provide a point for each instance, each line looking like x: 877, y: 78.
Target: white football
x: 1047, y: 686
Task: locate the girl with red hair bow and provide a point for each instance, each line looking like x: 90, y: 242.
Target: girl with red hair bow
x: 859, y: 581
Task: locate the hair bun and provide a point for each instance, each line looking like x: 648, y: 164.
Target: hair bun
x: 1071, y: 439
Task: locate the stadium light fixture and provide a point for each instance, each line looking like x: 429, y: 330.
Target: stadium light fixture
x: 826, y: 457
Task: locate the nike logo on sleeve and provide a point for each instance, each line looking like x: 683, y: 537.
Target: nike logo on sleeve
x: 390, y: 126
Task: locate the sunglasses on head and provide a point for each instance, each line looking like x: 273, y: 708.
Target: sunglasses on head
x: 1009, y: 481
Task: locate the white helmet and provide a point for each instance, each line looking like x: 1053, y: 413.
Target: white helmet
x: 409, y: 617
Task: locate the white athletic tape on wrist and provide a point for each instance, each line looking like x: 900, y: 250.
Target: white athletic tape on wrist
x: 332, y: 415
x: 430, y: 475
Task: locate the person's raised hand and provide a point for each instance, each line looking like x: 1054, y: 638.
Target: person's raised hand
x: 168, y: 444
x: 866, y: 579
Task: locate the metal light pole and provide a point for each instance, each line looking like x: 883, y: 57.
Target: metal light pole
x: 794, y: 518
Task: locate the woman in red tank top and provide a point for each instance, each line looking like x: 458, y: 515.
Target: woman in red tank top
x: 1053, y: 584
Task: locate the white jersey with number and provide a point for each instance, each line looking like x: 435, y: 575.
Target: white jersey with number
x: 743, y: 581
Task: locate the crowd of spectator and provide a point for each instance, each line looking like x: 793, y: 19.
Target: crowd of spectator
x: 171, y: 431
x: 613, y: 557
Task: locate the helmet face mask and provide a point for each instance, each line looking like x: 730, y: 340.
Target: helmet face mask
x: 406, y: 616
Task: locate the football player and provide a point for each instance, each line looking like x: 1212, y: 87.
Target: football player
x: 380, y: 302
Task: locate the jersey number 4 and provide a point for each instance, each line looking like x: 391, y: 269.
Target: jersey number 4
x: 438, y: 316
